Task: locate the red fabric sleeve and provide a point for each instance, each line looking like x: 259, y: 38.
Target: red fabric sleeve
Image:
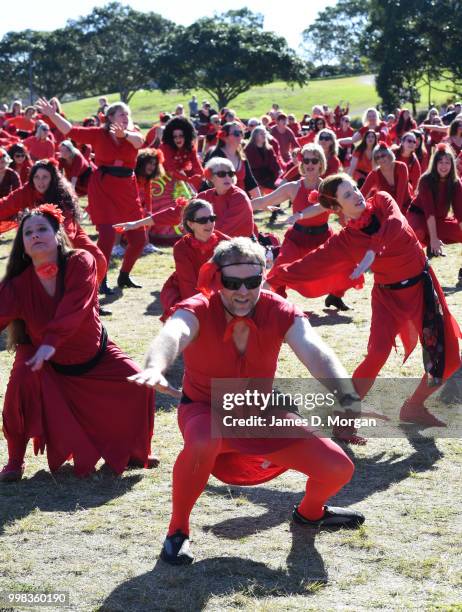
x: 185, y: 272
x: 78, y: 298
x: 426, y: 200
x: 87, y: 135
x: 77, y: 166
x: 324, y: 270
x: 239, y: 216
x: 457, y: 202
x: 11, y: 204
x: 9, y: 304
x: 370, y: 184
x: 391, y: 222
x: 414, y: 174
x: 402, y: 185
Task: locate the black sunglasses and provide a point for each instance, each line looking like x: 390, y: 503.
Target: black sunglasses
x: 19, y: 155
x: 236, y: 133
x: 325, y: 138
x: 205, y: 220
x: 311, y: 160
x: 223, y: 173
x: 233, y: 283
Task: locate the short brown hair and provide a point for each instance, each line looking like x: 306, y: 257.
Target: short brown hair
x: 328, y: 189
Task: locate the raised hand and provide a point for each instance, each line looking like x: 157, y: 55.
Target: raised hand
x: 43, y: 106
x: 117, y: 130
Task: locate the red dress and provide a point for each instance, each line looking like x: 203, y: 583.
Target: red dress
x: 111, y: 199
x: 398, y: 257
x: 333, y: 166
x: 413, y: 167
x: 27, y: 197
x: 426, y: 205
x: 89, y: 416
x: 39, y: 149
x: 233, y: 210
x: 182, y: 165
x: 78, y: 168
x: 273, y: 316
x: 23, y: 170
x: 189, y: 255
x: 363, y: 166
x: 400, y: 191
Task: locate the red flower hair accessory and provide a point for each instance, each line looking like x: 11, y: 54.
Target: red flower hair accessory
x: 181, y: 201
x: 209, y: 280
x: 313, y: 198
x: 222, y: 134
x: 51, y: 160
x: 441, y: 146
x: 52, y: 210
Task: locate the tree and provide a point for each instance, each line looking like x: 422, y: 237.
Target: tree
x: 122, y: 48
x: 226, y: 59
x: 337, y: 34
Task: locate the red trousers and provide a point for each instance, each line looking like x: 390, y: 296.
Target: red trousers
x: 328, y: 469
x: 136, y: 240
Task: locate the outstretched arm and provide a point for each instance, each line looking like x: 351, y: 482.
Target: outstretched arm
x: 63, y: 125
x: 282, y: 193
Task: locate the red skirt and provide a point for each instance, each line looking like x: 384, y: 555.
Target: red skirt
x: 96, y: 415
x: 113, y: 199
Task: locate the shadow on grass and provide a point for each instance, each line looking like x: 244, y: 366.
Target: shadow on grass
x: 154, y: 309
x: 451, y: 290
x: 61, y: 492
x: 189, y: 588
x: 372, y: 474
x: 332, y: 317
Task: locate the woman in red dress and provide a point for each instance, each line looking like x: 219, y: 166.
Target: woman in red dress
x: 40, y: 145
x: 22, y: 162
x: 76, y: 168
x: 406, y: 153
x: 180, y: 154
x: 345, y: 131
x: 407, y: 299
x: 68, y: 388
x: 305, y: 234
x: 405, y: 123
x: 191, y: 252
x: 390, y: 176
x: 429, y: 215
x: 361, y: 161
x: 327, y: 140
x: 262, y: 159
x: 149, y: 166
x: 421, y: 150
x: 112, y: 189
x: 46, y: 184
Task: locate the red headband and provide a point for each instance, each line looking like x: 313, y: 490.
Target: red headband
x: 441, y: 146
x: 52, y: 210
x: 209, y: 280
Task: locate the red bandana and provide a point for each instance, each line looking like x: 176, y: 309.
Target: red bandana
x: 204, y: 246
x: 232, y: 324
x: 47, y: 270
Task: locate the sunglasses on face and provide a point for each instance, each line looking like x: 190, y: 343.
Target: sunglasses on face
x: 236, y: 133
x: 325, y: 138
x: 411, y: 141
x: 233, y: 283
x: 205, y: 220
x: 310, y: 160
x: 223, y: 173
x: 19, y: 155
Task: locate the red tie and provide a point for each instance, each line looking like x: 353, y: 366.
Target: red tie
x: 232, y: 324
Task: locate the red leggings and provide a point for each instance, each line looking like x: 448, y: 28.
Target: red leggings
x: 136, y: 240
x: 325, y: 463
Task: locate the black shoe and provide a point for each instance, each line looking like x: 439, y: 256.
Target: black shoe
x: 333, y: 518
x: 104, y: 312
x: 124, y: 280
x: 272, y: 219
x: 429, y: 253
x: 459, y: 280
x: 104, y: 289
x: 176, y: 550
x: 336, y: 302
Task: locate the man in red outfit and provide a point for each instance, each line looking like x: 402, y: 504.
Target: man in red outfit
x: 221, y: 333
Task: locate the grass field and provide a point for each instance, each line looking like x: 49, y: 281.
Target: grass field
x: 359, y: 91
x: 99, y: 538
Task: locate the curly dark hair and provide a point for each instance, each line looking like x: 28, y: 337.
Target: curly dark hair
x: 183, y: 124
x: 18, y: 261
x: 17, y: 148
x: 59, y: 191
x: 144, y: 157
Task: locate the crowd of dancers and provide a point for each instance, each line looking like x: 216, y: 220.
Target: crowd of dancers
x: 198, y: 183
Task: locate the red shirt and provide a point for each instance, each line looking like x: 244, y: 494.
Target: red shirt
x: 333, y: 166
x: 182, y: 165
x: 286, y: 140
x: 108, y: 151
x: 376, y: 181
x: 233, y: 210
x: 39, y: 149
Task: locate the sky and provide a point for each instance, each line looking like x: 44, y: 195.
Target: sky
x: 287, y: 19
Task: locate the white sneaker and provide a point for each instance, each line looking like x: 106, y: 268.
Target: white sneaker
x: 118, y: 251
x: 150, y: 248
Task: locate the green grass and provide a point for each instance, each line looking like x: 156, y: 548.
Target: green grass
x: 358, y: 90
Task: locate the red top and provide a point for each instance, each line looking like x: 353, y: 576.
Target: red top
x: 39, y: 149
x: 21, y: 122
x: 190, y: 255
x: 380, y: 130
x: 10, y: 182
x: 23, y: 170
x: 413, y: 168
x: 363, y: 167
x: 75, y: 169
x: 68, y: 321
x: 300, y: 202
x: 286, y: 140
x: 375, y: 181
x: 108, y: 151
x: 334, y: 165
x: 439, y: 207
x: 27, y: 197
x: 180, y: 162
x: 273, y: 317
x: 233, y: 210
x: 295, y: 128
x: 348, y: 133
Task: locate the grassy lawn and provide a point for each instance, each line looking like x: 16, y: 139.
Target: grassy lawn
x: 359, y: 91
x: 99, y: 538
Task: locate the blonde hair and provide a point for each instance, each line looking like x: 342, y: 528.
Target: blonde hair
x: 319, y: 153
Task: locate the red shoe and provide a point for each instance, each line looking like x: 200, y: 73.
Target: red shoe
x: 11, y: 473
x: 417, y: 413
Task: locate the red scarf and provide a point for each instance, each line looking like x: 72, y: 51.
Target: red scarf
x: 364, y: 219
x: 47, y: 271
